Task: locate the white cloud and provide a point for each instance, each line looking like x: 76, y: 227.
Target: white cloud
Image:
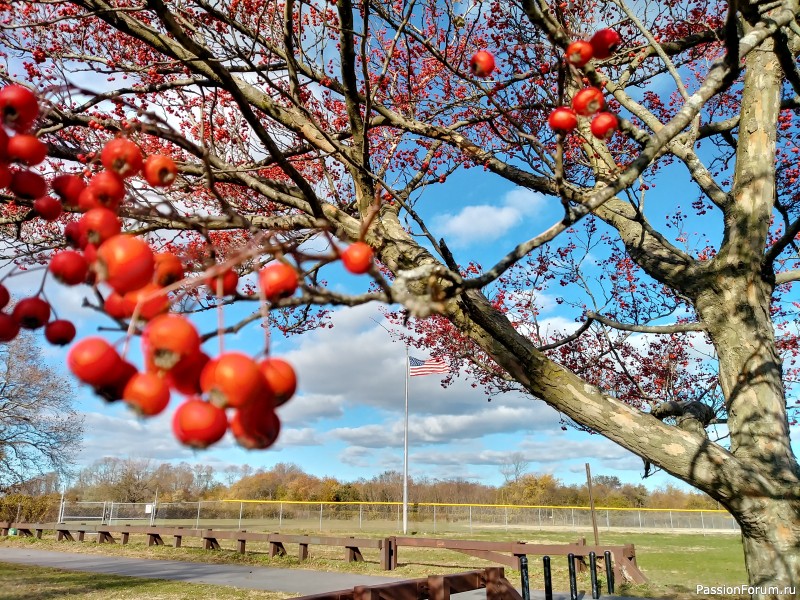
x: 311, y: 408
x: 444, y: 429
x: 489, y: 222
x: 595, y: 448
x: 298, y: 437
x: 106, y: 434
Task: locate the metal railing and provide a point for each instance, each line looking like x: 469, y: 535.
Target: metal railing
x: 387, y: 516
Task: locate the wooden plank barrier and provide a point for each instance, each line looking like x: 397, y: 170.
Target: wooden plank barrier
x: 505, y: 553
x: 509, y: 553
x: 155, y: 537
x: 435, y: 587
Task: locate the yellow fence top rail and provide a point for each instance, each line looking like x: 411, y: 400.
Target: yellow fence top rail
x: 417, y: 504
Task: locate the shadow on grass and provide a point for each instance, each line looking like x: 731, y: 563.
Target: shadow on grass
x: 42, y: 584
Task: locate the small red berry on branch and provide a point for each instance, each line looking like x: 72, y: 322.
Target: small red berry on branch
x: 159, y: 170
x: 277, y: 280
x: 588, y: 101
x: 98, y: 225
x: 579, y: 53
x: 60, y: 332
x: 68, y: 188
x: 198, y: 423
x: 233, y: 380
x: 125, y: 262
x: 255, y: 427
x: 27, y: 184
x: 47, y: 207
x: 18, y: 107
x: 168, y: 339
x: 31, y: 313
x: 169, y: 269
x: 280, y: 377
x: 150, y: 299
x: 482, y: 64
x: 26, y: 149
x: 229, y: 280
x: 122, y: 156
x: 604, y: 125
x: 605, y: 42
x: 147, y: 394
x: 9, y: 328
x: 94, y: 361
x: 562, y: 119
x: 357, y: 258
x: 69, y: 267
x: 105, y: 190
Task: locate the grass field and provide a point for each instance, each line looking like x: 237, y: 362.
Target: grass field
x: 21, y: 582
x: 674, y: 563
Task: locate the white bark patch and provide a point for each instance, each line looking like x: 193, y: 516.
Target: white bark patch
x: 674, y: 449
x: 590, y: 407
x: 625, y: 421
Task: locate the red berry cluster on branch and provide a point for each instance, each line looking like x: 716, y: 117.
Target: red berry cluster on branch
x: 588, y: 102
x: 140, y: 283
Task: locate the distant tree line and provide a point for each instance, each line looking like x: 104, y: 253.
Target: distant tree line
x: 137, y: 480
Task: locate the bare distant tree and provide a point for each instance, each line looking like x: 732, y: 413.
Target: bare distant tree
x: 40, y: 431
x: 515, y: 468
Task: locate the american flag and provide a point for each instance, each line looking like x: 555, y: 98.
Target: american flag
x: 426, y: 367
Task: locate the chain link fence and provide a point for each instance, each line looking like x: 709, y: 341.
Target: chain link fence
x: 387, y: 517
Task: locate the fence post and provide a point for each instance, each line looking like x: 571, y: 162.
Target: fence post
x: 434, y: 518
x: 573, y: 517
x: 609, y: 572
x: 670, y: 520
x: 608, y: 521
x: 470, y: 519
x: 241, y: 508
x: 573, y: 582
x: 702, y: 522
x: 640, y: 518
x: 506, y: 509
x: 197, y: 521
x: 280, y: 516
x: 593, y: 575
x: 103, y: 518
x: 548, y: 578
x: 523, y: 572
x: 360, y: 511
x: 320, y: 516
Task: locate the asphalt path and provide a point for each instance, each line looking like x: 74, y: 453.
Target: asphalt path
x: 293, y: 581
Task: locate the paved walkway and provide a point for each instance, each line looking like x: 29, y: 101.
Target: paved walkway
x: 293, y: 581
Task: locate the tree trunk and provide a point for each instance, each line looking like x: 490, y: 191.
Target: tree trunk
x: 771, y: 539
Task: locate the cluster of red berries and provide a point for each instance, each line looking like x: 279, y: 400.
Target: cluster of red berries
x: 19, y: 109
x: 138, y: 278
x: 589, y: 101
x: 175, y: 362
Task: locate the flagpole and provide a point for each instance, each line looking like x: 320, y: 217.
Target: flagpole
x: 405, y: 457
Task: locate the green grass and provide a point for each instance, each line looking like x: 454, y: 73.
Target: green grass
x: 674, y: 563
x: 23, y: 582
